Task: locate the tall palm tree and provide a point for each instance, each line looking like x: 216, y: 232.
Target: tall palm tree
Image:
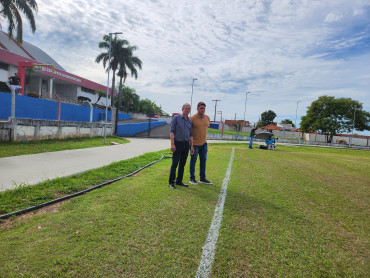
x: 116, y: 49
x: 12, y: 10
x: 127, y: 62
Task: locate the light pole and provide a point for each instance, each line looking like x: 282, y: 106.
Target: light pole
x: 353, y: 125
x: 295, y: 124
x: 191, y: 100
x: 106, y: 97
x: 245, y: 109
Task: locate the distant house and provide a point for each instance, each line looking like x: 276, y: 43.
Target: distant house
x: 285, y: 126
x: 232, y: 122
x: 272, y: 127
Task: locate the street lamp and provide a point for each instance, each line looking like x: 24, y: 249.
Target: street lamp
x: 295, y: 124
x: 106, y: 97
x: 245, y: 109
x: 191, y: 100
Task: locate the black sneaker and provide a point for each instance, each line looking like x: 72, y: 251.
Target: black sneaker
x: 193, y: 181
x: 182, y: 184
x: 172, y: 186
x: 205, y: 181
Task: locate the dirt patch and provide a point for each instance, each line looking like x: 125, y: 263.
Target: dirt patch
x: 53, y: 208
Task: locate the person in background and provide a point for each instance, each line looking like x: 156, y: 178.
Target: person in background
x: 181, y: 140
x: 253, y: 133
x: 270, y: 143
x: 201, y: 123
x: 14, y: 83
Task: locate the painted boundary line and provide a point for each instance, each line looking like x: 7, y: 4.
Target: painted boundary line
x: 209, y: 248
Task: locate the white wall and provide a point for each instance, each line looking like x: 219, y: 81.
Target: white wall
x: 93, y: 98
x: 3, y: 75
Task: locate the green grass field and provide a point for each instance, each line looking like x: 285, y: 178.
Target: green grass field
x: 293, y: 212
x: 32, y: 147
x: 226, y: 132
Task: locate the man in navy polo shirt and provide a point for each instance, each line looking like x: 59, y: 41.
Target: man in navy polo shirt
x: 181, y: 139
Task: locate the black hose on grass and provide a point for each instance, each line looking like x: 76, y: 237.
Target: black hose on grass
x: 4, y: 216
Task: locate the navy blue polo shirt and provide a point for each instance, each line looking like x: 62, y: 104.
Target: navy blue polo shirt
x: 181, y: 128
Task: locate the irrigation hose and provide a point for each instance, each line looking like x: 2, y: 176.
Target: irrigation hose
x: 5, y: 216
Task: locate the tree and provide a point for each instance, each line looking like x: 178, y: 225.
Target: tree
x: 12, y: 10
x: 116, y: 49
x: 127, y: 62
x: 100, y: 94
x: 267, y: 118
x: 130, y: 100
x: 148, y: 107
x: 287, y: 121
x: 331, y: 116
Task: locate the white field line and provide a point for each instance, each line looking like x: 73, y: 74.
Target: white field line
x: 209, y: 248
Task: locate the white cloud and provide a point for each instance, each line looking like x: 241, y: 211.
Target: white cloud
x: 331, y: 17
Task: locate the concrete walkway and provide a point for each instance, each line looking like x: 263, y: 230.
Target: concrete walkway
x: 35, y: 168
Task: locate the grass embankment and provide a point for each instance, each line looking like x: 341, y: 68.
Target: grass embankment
x: 293, y: 212
x: 27, y: 196
x: 32, y: 147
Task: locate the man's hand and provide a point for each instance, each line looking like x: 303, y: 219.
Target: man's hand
x: 173, y: 148
x: 192, y: 150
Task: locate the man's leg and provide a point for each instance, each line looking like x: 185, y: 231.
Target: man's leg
x: 193, y: 161
x: 251, y: 142
x: 183, y: 158
x: 175, y: 161
x: 203, y: 160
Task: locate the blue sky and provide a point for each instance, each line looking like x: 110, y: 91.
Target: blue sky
x: 281, y: 51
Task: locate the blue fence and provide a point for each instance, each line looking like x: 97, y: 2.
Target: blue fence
x: 130, y: 129
x: 35, y: 108
x: 214, y: 126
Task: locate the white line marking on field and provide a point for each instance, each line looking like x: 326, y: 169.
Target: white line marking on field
x: 209, y: 248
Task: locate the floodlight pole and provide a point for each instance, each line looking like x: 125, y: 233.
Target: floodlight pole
x: 106, y: 97
x: 191, y: 100
x: 299, y: 139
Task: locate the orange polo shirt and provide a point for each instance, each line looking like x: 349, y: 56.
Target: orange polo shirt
x: 200, y: 128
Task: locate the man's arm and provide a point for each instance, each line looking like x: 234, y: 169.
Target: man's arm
x: 172, y: 138
x: 191, y: 145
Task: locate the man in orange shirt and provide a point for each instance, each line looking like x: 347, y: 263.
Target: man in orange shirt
x: 201, y: 123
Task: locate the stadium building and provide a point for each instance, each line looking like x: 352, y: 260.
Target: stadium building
x: 41, y: 76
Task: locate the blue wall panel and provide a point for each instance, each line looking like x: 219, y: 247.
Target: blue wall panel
x: 130, y: 129
x: 5, y: 102
x: 214, y: 126
x: 42, y: 109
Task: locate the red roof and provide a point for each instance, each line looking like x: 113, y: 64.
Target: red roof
x: 272, y: 127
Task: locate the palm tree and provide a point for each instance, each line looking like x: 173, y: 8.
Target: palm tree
x: 12, y: 10
x: 116, y: 49
x: 127, y: 62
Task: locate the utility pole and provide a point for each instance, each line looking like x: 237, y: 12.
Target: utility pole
x: 214, y: 119
x: 191, y: 100
x: 220, y: 112
x: 299, y: 137
x: 245, y: 109
x: 353, y: 126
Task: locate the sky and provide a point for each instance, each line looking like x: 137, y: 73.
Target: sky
x: 286, y: 53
